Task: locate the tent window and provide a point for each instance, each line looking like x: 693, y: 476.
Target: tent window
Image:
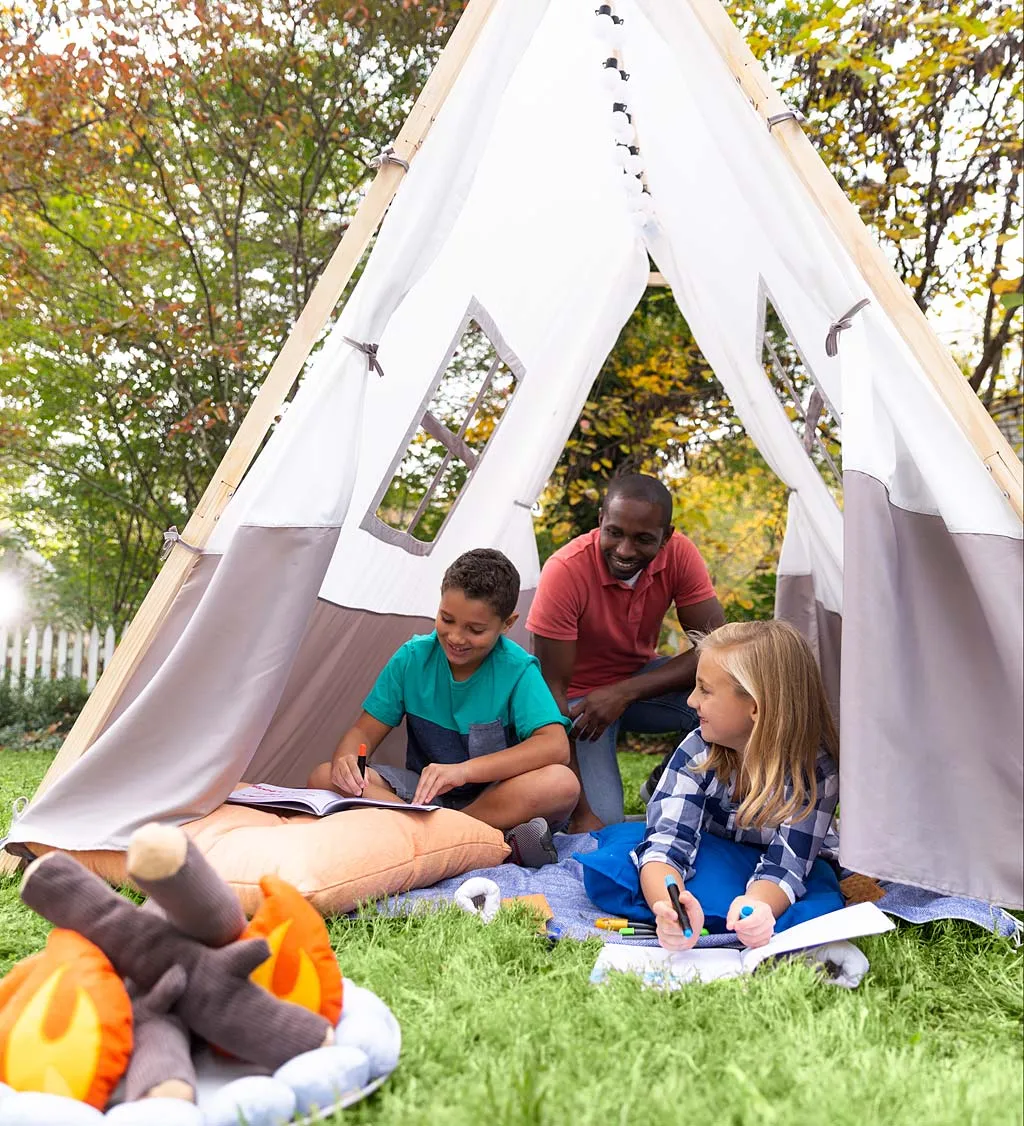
x: 807, y: 406
x: 464, y: 408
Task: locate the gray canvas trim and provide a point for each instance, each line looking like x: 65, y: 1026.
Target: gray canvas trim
x: 175, y: 752
x: 340, y: 657
x: 795, y: 602
x: 932, y: 787
x: 371, y: 522
x: 169, y: 632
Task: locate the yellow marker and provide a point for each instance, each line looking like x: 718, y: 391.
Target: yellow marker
x: 611, y: 924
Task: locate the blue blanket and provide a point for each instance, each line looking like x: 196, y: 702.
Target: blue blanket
x: 563, y: 886
x: 722, y: 870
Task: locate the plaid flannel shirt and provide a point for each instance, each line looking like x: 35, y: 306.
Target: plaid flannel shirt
x: 689, y: 800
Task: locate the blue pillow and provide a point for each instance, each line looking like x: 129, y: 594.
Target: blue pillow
x: 721, y: 873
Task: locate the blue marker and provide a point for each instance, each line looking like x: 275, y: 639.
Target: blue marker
x: 746, y: 912
x: 673, y: 894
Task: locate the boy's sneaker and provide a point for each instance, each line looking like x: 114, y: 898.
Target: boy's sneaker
x: 531, y: 844
x: 648, y: 788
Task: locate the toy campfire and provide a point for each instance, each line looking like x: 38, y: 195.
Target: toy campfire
x: 112, y: 1010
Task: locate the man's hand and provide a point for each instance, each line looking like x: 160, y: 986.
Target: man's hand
x: 670, y: 933
x: 755, y: 928
x: 592, y: 715
x: 438, y: 778
x: 345, y: 776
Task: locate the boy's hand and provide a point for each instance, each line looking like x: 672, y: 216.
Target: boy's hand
x: 438, y: 778
x: 670, y: 933
x: 345, y: 776
x: 754, y: 929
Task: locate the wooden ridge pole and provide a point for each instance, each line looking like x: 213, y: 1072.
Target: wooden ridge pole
x: 268, y: 401
x: 887, y: 289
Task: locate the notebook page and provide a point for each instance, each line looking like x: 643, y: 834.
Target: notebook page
x: 667, y: 969
x: 315, y: 800
x: 849, y: 922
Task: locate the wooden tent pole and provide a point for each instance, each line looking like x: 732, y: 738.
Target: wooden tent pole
x: 266, y: 405
x: 888, y: 290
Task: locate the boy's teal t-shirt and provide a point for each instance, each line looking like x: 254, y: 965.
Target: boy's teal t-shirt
x: 504, y: 702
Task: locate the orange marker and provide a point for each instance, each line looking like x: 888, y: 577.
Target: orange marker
x: 362, y: 760
x: 611, y: 924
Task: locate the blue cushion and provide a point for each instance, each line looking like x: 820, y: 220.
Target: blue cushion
x: 721, y: 873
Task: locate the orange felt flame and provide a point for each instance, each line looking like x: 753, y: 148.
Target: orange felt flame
x: 301, y: 967
x: 65, y: 1022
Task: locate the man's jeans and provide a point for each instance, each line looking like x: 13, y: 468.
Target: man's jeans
x: 599, y: 768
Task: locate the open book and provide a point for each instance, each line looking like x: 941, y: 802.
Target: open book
x: 669, y: 969
x: 319, y: 803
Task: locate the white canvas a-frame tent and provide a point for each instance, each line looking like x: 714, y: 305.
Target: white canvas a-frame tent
x: 516, y: 247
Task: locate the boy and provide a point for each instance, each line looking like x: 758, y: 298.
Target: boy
x: 484, y: 732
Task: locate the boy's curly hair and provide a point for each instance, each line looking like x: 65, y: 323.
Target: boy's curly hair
x: 488, y: 575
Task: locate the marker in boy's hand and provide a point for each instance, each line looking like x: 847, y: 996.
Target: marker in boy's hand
x: 751, y: 919
x: 348, y: 770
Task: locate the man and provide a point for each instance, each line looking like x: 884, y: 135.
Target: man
x: 596, y: 619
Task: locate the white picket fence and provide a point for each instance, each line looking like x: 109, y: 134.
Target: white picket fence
x: 52, y: 654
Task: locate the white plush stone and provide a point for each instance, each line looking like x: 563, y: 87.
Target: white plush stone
x: 257, y: 1100
x: 367, y: 1023
x: 33, y: 1108
x: 155, y: 1112
x: 322, y: 1077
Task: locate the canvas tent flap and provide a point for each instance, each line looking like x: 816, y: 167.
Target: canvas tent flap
x: 933, y: 657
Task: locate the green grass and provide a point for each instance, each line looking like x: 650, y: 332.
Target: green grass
x: 498, y: 1030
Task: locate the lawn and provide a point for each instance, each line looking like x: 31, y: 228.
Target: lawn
x: 499, y: 1030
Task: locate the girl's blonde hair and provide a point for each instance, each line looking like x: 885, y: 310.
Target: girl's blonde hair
x: 772, y: 663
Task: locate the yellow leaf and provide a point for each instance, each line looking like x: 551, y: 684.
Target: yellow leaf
x: 1007, y: 285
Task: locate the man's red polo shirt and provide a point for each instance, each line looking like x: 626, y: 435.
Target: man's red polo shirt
x: 615, y: 626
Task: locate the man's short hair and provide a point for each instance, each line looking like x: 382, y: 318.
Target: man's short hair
x: 487, y: 575
x: 638, y: 486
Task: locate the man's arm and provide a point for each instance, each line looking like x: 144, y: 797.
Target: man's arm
x: 604, y: 705
x: 556, y: 661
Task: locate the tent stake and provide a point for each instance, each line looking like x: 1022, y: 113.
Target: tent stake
x: 892, y: 295
x: 260, y: 416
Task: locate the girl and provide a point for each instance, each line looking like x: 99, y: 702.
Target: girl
x: 763, y: 769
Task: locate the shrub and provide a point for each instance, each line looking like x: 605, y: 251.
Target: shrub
x: 51, y: 705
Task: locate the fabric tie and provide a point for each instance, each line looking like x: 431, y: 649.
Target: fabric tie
x: 171, y: 537
x: 836, y: 327
x: 369, y: 351
x: 387, y: 155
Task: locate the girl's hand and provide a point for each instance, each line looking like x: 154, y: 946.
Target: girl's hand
x: 438, y: 778
x: 670, y: 933
x: 756, y: 928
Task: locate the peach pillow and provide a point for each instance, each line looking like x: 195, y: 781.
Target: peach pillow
x: 333, y: 861
x: 337, y: 861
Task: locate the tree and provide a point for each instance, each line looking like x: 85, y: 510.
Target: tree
x: 917, y: 109
x: 173, y: 178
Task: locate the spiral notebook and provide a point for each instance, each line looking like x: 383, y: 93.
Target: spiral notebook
x: 317, y: 803
x: 668, y: 969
